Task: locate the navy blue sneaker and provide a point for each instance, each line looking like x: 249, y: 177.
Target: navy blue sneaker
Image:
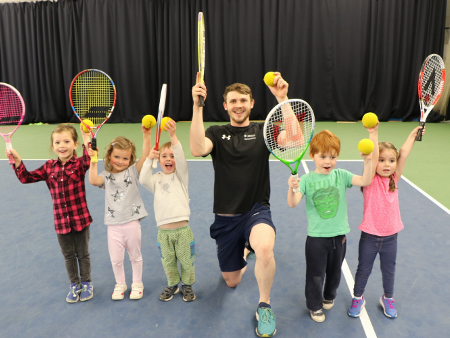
x: 266, y: 322
x: 87, y: 291
x: 73, y: 297
x: 388, y: 305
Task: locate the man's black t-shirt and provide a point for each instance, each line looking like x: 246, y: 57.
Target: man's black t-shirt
x: 241, y: 165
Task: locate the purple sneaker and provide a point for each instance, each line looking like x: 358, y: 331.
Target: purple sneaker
x: 388, y: 305
x: 357, y: 306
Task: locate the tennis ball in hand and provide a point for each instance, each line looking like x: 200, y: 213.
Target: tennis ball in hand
x: 365, y: 146
x: 164, y: 121
x: 369, y: 120
x: 148, y: 121
x: 88, y: 123
x: 268, y: 79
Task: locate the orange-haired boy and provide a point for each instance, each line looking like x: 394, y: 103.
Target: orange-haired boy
x: 326, y: 210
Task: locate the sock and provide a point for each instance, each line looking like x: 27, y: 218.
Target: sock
x: 264, y: 305
x: 358, y: 297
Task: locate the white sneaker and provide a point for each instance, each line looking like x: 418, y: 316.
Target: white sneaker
x: 137, y: 291
x: 119, y: 291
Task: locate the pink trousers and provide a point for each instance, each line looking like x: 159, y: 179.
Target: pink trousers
x: 121, y: 237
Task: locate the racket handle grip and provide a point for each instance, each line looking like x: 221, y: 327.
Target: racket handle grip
x: 11, y: 157
x: 295, y: 177
x: 201, y: 101
x: 419, y: 132
x: 94, y: 158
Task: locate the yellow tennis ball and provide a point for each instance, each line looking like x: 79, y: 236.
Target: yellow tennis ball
x: 369, y: 120
x: 268, y: 79
x: 164, y: 121
x: 88, y: 123
x: 148, y: 121
x: 365, y: 146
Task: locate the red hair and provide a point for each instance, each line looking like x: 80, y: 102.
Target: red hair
x: 325, y: 142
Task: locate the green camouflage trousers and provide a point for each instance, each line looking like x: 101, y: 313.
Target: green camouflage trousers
x: 177, y: 244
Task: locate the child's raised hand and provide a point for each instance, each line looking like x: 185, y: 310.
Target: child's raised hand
x: 16, y: 156
x: 416, y: 130
x: 91, y: 152
x: 293, y: 182
x: 154, y: 154
x: 146, y: 131
x: 171, y: 127
x: 373, y: 129
x: 366, y: 157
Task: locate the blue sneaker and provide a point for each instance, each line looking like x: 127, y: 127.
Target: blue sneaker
x: 73, y: 297
x: 357, y: 306
x: 388, y: 305
x: 87, y: 291
x: 266, y: 322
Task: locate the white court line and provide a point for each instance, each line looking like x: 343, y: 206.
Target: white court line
x: 364, y: 317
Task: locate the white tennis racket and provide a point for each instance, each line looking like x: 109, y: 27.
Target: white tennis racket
x: 162, y: 104
x: 430, y: 86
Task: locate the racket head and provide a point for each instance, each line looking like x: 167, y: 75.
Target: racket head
x: 288, y: 130
x: 201, y: 46
x: 93, y: 96
x: 162, y: 105
x: 431, y: 84
x: 12, y: 110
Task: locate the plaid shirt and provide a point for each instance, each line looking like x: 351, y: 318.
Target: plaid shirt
x: 66, y: 185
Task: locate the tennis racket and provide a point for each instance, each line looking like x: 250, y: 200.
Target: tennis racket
x: 12, y: 112
x: 162, y: 104
x: 430, y: 86
x: 201, y: 53
x: 93, y: 96
x: 288, y: 130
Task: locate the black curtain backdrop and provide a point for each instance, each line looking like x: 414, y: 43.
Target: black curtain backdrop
x: 344, y: 57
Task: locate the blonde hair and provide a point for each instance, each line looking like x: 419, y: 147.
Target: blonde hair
x: 166, y: 145
x: 121, y: 143
x: 325, y: 142
x: 64, y: 127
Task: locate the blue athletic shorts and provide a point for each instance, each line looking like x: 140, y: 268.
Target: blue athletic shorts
x: 232, y: 232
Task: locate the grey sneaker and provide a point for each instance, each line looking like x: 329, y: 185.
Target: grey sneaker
x: 188, y: 293
x: 327, y: 304
x: 168, y: 293
x: 317, y: 316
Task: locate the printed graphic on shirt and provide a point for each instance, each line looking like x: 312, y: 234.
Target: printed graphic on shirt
x: 128, y: 181
x: 109, y: 178
x: 249, y: 137
x: 117, y: 196
x: 326, y: 202
x: 135, y: 209
x: 110, y: 213
x: 228, y: 137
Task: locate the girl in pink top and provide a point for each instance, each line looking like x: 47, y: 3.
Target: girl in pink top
x: 381, y: 221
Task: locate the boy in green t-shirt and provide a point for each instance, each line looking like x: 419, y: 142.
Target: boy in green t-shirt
x: 326, y: 210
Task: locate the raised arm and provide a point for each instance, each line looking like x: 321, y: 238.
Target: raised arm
x: 94, y: 179
x: 146, y: 146
x: 373, y: 136
x: 199, y: 143
x: 405, y: 150
x: 367, y: 176
x: 293, y: 198
x: 181, y: 163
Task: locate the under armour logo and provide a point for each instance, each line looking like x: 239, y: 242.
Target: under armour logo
x: 226, y: 137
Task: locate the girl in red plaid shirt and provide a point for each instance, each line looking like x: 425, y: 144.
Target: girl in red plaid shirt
x: 65, y: 180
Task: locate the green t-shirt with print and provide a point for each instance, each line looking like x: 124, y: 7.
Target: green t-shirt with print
x: 326, y: 202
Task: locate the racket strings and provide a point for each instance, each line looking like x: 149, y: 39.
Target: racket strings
x: 93, y: 96
x: 289, y: 130
x: 11, y: 110
x: 431, y: 84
